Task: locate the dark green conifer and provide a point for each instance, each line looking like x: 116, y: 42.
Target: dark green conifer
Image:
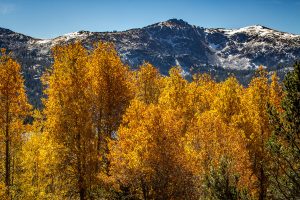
x: 285, y: 142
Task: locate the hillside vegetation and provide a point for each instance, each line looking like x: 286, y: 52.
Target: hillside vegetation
x: 107, y: 132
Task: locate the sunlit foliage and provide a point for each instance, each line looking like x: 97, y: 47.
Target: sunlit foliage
x: 108, y: 132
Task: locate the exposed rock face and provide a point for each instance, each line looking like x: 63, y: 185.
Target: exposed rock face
x: 174, y: 42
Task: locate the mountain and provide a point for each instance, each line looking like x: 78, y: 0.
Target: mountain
x: 218, y: 51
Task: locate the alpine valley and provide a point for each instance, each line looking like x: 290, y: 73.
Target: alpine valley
x: 217, y: 51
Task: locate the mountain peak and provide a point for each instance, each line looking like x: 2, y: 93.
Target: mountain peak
x: 177, y: 22
x: 173, y: 23
x: 257, y: 27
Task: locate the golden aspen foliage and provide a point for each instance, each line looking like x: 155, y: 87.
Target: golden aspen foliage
x: 110, y: 90
x: 213, y: 139
x: 176, y: 97
x: 172, y: 170
x: 14, y: 108
x: 148, y: 156
x: 174, y: 94
x: 209, y: 141
x: 39, y: 159
x: 2, y: 190
x: 130, y: 166
x: 148, y: 83
x: 130, y: 152
x: 110, y: 82
x: 178, y: 110
x: 228, y: 100
x: 107, y: 132
x: 276, y: 92
x: 87, y: 94
x: 69, y: 121
x: 203, y: 90
x: 254, y: 122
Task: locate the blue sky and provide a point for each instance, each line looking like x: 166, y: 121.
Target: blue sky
x: 51, y: 18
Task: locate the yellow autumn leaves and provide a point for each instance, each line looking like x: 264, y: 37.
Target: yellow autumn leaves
x: 109, y: 132
x: 166, y: 148
x: 13, y: 110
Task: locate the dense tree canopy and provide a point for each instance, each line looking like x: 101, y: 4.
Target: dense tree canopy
x: 108, y: 132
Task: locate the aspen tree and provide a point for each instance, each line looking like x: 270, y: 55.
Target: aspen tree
x: 148, y: 83
x: 255, y: 124
x: 14, y: 107
x: 110, y: 91
x: 69, y: 121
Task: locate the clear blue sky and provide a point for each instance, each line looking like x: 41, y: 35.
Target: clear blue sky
x: 51, y: 18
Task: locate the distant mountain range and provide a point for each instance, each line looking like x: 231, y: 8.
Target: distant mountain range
x: 217, y: 51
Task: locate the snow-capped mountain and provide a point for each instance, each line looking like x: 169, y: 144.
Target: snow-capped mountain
x: 174, y: 42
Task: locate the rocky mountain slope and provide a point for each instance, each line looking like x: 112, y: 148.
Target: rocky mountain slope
x: 217, y: 51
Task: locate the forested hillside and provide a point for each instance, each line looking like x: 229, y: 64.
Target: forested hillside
x: 217, y: 51
x: 107, y: 132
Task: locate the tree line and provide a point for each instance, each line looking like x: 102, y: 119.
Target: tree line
x: 108, y: 132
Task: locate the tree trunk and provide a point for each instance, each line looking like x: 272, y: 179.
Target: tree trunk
x: 7, y: 154
x: 80, y: 163
x: 262, y: 184
x: 7, y: 163
x: 144, y: 189
x: 82, y: 193
x: 99, y: 141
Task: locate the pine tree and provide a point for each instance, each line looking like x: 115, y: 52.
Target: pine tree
x: 285, y: 142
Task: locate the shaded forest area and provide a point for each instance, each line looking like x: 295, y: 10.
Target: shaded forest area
x: 107, y: 132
